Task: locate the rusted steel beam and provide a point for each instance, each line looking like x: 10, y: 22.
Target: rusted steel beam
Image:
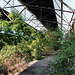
x: 67, y: 6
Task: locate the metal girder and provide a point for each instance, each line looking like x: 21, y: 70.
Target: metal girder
x: 40, y: 20
x: 20, y: 13
x: 12, y: 7
x: 72, y: 11
x: 70, y: 21
x: 47, y: 15
x: 4, y: 7
x: 37, y: 25
x: 72, y: 15
x: 7, y: 3
x: 61, y: 14
x: 62, y: 18
x: 31, y: 2
x: 67, y: 6
x: 29, y: 17
x: 39, y: 7
x: 60, y: 8
x: 7, y: 15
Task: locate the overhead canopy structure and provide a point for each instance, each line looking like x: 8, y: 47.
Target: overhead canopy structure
x: 38, y: 13
x: 66, y: 16
x: 3, y: 15
x: 43, y: 10
x: 43, y: 13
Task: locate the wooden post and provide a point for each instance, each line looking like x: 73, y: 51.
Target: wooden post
x: 74, y: 27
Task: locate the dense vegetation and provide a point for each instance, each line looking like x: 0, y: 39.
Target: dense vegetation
x: 19, y: 40
x: 65, y: 58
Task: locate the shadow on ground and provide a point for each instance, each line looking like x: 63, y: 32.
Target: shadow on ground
x: 39, y: 67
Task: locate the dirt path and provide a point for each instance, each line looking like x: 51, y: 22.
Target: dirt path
x: 37, y: 67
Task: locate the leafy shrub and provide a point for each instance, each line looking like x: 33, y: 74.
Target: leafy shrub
x: 14, y: 32
x: 52, y: 40
x: 22, y: 40
x: 0, y: 14
x: 10, y: 55
x: 58, y: 38
x: 24, y: 51
x: 65, y: 60
x: 36, y: 49
x: 1, y: 44
x: 7, y: 52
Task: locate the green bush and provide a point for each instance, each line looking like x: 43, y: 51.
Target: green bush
x: 7, y: 52
x: 53, y: 39
x: 65, y: 60
x: 59, y: 36
x: 24, y: 51
x: 23, y: 40
x: 1, y: 44
x: 36, y: 49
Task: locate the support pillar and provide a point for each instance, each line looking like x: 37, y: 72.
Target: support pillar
x: 74, y: 27
x: 61, y: 14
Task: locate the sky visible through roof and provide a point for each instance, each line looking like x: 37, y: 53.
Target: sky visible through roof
x: 66, y: 16
x: 35, y: 23
x: 28, y: 15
